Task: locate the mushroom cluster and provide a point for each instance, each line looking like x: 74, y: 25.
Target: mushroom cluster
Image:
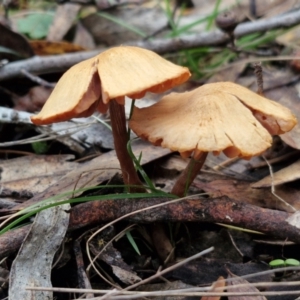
x: 215, y: 117
x: 102, y: 82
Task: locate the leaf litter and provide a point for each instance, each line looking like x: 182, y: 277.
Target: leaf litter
x: 39, y: 177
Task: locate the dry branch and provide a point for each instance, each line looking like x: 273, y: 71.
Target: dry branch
x: 217, y: 210
x: 281, y: 21
x: 59, y: 63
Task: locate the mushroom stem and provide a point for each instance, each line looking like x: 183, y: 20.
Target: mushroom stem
x: 259, y: 78
x: 119, y: 130
x: 188, y: 175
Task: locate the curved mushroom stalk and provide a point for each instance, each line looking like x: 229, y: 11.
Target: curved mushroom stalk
x: 188, y: 175
x: 119, y: 130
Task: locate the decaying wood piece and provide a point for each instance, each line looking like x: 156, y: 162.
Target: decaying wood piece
x: 9, y: 115
x: 217, y: 210
x: 11, y: 241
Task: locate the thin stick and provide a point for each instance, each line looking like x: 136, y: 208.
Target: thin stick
x: 56, y: 63
x: 197, y: 291
x: 274, y: 160
x: 38, y: 79
x: 273, y: 187
x: 173, y: 267
x: 100, y: 253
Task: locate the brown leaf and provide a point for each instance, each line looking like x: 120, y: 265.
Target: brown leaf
x: 34, y: 100
x: 248, y: 287
x: 28, y: 175
x: 42, y: 47
x: 294, y: 219
x: 162, y: 242
x: 95, y: 171
x: 288, y: 174
x: 64, y: 18
x: 83, y: 37
x: 30, y: 166
x: 216, y: 287
x: 15, y: 42
x: 242, y: 191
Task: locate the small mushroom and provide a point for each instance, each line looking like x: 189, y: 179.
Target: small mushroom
x: 103, y: 81
x: 215, y: 117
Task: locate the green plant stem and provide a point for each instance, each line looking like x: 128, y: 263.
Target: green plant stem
x: 188, y: 175
x: 119, y: 130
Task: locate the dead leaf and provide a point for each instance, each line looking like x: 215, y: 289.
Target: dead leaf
x: 29, y: 166
x: 271, y: 8
x: 15, y: 45
x: 112, y: 256
x: 28, y: 175
x: 125, y: 276
x: 34, y: 100
x: 33, y: 264
x: 294, y: 219
x: 275, y: 82
x: 290, y: 38
x: 247, y: 287
x: 239, y: 190
x: 217, y: 286
x: 107, y: 32
x: 94, y: 172
x: 204, y: 272
x: 288, y: 174
x: 231, y: 73
x: 161, y: 242
x: 64, y: 18
x: 83, y: 37
x: 42, y: 47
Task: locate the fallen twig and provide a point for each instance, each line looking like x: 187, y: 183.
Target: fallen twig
x: 217, y: 210
x: 57, y: 63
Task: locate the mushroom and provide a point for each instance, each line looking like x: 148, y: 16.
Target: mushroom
x: 215, y: 117
x: 103, y: 81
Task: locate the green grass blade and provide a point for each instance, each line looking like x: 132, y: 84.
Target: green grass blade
x: 30, y: 211
x: 140, y: 168
x: 122, y: 24
x: 132, y: 242
x: 212, y: 17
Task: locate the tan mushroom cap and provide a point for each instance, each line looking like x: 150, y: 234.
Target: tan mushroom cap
x: 114, y: 73
x: 215, y: 117
x: 76, y: 94
x: 132, y: 71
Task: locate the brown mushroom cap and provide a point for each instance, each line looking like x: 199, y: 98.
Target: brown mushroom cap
x: 76, y: 94
x: 132, y: 71
x: 273, y: 116
x: 215, y: 117
x: 114, y: 73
